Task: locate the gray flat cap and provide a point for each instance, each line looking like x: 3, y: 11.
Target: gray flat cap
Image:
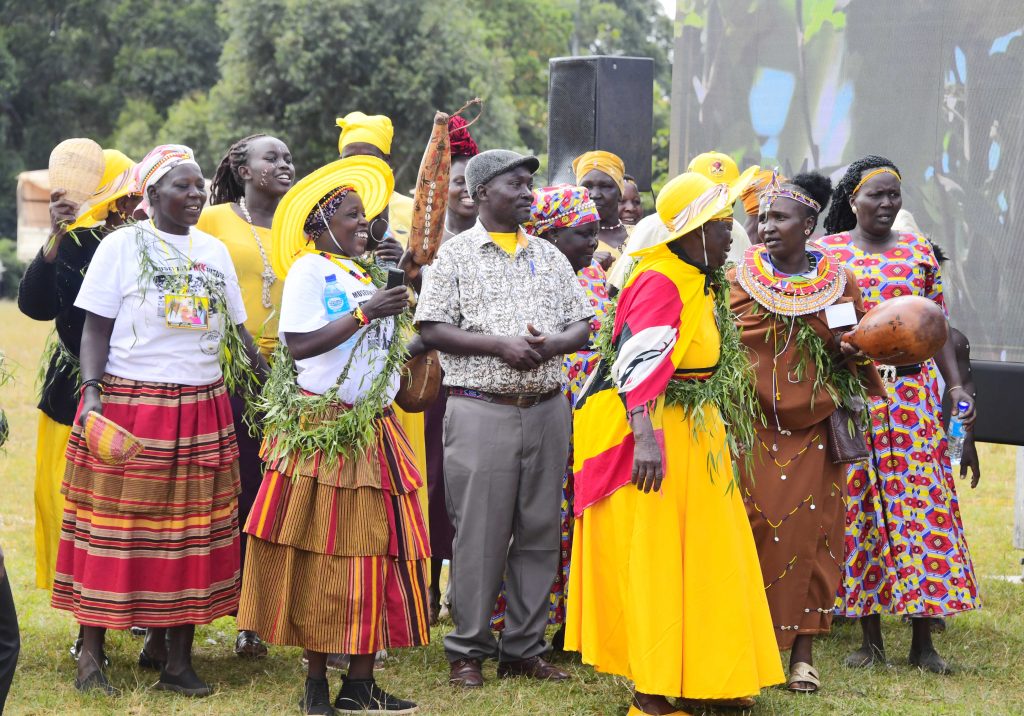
x: 487, y: 165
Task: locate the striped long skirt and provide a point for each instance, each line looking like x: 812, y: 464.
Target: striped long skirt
x: 338, y: 550
x: 153, y: 542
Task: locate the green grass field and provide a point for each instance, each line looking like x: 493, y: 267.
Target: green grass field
x: 986, y: 647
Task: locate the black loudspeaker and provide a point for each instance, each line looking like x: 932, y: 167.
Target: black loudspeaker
x: 1000, y: 389
x: 600, y: 103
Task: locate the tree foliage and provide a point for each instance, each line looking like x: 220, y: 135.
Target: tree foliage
x: 134, y: 73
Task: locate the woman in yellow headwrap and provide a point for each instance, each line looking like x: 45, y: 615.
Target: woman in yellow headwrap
x: 603, y: 174
x: 47, y: 293
x: 664, y: 562
x: 372, y: 135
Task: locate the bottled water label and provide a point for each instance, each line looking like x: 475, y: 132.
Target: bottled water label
x: 956, y: 435
x: 336, y: 304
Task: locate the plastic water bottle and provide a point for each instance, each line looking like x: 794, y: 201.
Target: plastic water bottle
x: 335, y: 299
x: 956, y: 435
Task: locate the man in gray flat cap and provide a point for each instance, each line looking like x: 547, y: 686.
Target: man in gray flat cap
x: 503, y: 307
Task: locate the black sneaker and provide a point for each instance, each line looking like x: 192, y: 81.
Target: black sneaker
x: 363, y: 696
x: 316, y: 701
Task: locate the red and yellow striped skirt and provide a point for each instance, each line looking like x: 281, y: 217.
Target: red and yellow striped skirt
x: 337, y: 554
x: 153, y: 542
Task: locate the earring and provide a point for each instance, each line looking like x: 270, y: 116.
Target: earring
x: 374, y: 223
x: 807, y: 232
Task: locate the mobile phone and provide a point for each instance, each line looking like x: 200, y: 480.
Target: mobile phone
x: 396, y: 278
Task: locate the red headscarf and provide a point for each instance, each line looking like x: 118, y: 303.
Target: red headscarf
x: 462, y: 144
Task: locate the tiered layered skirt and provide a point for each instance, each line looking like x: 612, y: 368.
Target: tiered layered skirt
x: 154, y: 542
x: 338, y: 549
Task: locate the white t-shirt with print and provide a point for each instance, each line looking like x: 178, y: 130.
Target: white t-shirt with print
x: 142, y: 345
x: 303, y: 311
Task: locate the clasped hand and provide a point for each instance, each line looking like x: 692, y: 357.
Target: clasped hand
x: 526, y: 352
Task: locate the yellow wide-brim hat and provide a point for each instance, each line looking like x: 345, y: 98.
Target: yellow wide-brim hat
x: 691, y: 200
x: 118, y: 180
x: 369, y: 177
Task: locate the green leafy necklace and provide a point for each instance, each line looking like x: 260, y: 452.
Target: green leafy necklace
x: 239, y: 377
x: 303, y: 425
x: 730, y: 388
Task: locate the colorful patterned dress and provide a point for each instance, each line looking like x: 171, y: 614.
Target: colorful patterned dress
x: 906, y: 552
x: 577, y: 367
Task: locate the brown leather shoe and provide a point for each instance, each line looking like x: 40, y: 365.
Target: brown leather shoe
x: 534, y: 667
x: 466, y: 674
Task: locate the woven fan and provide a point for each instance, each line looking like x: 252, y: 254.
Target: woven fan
x: 430, y: 201
x: 108, y: 441
x: 76, y: 166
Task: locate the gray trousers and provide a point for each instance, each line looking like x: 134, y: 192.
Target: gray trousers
x: 503, y: 470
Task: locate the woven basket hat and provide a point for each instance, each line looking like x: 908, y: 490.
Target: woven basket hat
x: 76, y: 166
x: 108, y: 441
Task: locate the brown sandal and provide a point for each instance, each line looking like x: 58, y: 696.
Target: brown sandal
x: 803, y: 673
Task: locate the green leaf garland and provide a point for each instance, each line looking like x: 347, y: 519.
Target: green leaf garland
x: 731, y: 388
x: 304, y: 425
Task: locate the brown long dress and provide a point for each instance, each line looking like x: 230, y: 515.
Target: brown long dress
x: 793, y: 492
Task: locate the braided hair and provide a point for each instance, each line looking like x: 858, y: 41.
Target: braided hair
x: 815, y: 185
x: 840, y: 216
x: 227, y: 186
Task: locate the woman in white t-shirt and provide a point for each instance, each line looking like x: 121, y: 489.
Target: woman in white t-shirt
x: 154, y: 542
x: 337, y: 545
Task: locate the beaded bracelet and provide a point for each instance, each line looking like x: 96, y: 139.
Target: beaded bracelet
x: 361, y: 318
x: 94, y: 382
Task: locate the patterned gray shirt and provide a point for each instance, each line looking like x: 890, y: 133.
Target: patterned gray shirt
x: 475, y: 285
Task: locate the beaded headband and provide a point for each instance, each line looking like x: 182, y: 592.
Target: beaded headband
x: 323, y: 212
x: 874, y: 173
x: 774, y: 190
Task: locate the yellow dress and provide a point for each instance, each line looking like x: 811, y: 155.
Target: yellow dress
x: 51, y: 443
x: 665, y: 587
x: 235, y: 232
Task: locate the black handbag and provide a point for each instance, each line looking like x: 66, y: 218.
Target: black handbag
x: 846, y: 442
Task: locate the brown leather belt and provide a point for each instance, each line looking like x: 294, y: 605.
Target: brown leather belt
x: 519, y: 400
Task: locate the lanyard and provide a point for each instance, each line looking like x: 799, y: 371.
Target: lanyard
x: 167, y: 252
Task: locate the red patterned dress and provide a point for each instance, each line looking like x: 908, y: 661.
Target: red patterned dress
x: 906, y: 552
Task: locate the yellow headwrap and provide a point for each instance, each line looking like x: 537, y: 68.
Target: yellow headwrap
x: 603, y: 161
x: 117, y: 181
x: 358, y: 127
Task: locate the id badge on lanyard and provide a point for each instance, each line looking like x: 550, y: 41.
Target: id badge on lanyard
x: 183, y: 309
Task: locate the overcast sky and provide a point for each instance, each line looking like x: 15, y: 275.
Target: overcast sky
x: 670, y: 7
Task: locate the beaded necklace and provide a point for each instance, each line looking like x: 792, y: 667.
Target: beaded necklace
x: 347, y: 265
x: 796, y: 295
x: 268, y: 274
